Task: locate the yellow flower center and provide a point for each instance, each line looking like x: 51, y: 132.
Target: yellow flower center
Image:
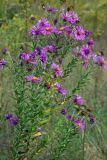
x: 61, y: 28
x: 34, y: 78
x: 47, y: 28
x: 79, y: 124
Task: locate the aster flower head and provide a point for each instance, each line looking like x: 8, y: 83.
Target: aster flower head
x: 90, y: 42
x: 45, y: 27
x: 2, y: 63
x: 55, y: 21
x: 33, y: 54
x: 60, y: 89
x: 85, y: 51
x: 24, y: 56
x: 35, y: 30
x: 57, y: 70
x: 8, y: 116
x: 31, y: 60
x: 47, y: 30
x: 70, y: 16
x: 43, y: 22
x: 79, y: 124
x: 92, y: 119
x: 73, y: 18
x: 50, y: 9
x: 28, y: 58
x: 33, y: 79
x: 62, y: 29
x: 69, y: 117
x: 14, y: 120
x: 64, y: 111
x: 79, y: 33
x: 38, y: 50
x: 39, y: 129
x: 78, y: 100
x: 43, y: 55
x: 87, y: 33
x: 100, y: 60
x: 50, y: 48
x: 4, y: 50
x: 65, y: 15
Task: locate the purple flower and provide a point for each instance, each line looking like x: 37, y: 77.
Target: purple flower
x: 43, y: 55
x: 79, y: 124
x: 29, y: 78
x: 34, y: 53
x: 49, y: 29
x: 64, y: 111
x: 45, y: 27
x: 62, y: 29
x: 33, y: 79
x: 78, y: 100
x: 79, y: 33
x: 8, y: 116
x: 4, y: 50
x: 85, y: 50
x: 69, y: 117
x: 29, y: 58
x: 87, y: 33
x: 43, y: 22
x: 50, y: 48
x: 100, y: 60
x: 61, y: 89
x: 90, y: 42
x: 38, y: 29
x: 39, y: 129
x: 65, y: 16
x: 70, y: 16
x: 57, y: 70
x: 31, y: 61
x: 92, y: 119
x: 55, y: 21
x: 50, y: 9
x: 38, y: 50
x: 13, y: 120
x: 24, y: 56
x: 35, y: 30
x: 73, y: 18
x: 2, y: 63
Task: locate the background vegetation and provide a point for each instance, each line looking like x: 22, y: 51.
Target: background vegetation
x: 15, y: 20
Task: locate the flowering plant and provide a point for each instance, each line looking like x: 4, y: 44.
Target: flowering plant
x: 41, y: 94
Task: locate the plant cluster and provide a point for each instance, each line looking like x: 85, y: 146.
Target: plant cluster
x: 39, y: 76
